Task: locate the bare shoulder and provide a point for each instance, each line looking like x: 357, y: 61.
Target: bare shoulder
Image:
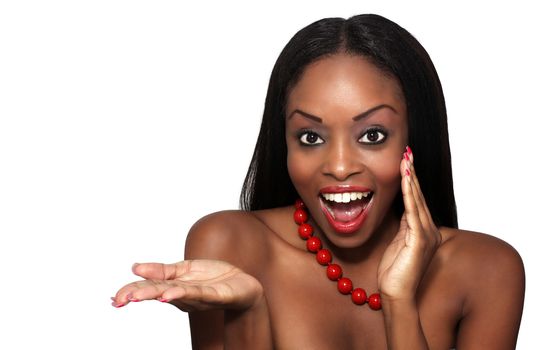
x: 221, y: 235
x: 479, y: 253
x: 487, y: 267
x: 242, y: 238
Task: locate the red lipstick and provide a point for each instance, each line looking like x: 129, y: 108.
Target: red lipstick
x: 357, y: 215
x: 344, y: 188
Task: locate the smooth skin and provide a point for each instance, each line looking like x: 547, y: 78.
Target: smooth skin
x: 249, y: 283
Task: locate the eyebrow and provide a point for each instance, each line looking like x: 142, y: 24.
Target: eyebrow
x: 306, y: 115
x: 363, y: 115
x: 370, y: 111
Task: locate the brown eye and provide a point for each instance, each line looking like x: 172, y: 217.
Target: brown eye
x: 373, y: 136
x: 310, y: 138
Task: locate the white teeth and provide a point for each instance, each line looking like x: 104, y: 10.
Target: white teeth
x: 344, y: 197
x: 347, y: 196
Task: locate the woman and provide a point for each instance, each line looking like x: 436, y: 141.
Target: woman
x: 352, y: 106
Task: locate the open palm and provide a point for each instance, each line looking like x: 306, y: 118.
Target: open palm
x: 192, y: 285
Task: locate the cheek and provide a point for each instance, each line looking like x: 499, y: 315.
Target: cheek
x: 299, y: 169
x: 385, y: 169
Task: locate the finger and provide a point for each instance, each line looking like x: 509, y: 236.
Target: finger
x: 191, y: 298
x: 187, y: 297
x: 158, y: 271
x: 149, y: 271
x: 403, y: 225
x: 141, y: 290
x: 415, y: 181
x: 423, y: 211
x: 426, y: 216
x: 432, y: 234
x: 411, y: 210
x: 411, y: 159
x: 195, y: 294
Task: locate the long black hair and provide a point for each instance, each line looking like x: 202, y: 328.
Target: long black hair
x: 393, y: 50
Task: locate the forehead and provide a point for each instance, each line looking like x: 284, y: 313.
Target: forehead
x: 344, y: 82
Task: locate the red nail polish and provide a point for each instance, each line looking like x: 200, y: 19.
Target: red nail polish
x: 408, y: 150
x: 407, y: 172
x: 406, y: 156
x: 114, y: 304
x: 163, y: 300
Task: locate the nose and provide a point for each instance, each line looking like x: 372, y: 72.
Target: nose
x: 342, y: 160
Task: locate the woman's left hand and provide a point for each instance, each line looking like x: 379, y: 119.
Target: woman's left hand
x: 408, y: 255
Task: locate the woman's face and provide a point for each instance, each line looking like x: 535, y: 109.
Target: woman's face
x: 346, y: 130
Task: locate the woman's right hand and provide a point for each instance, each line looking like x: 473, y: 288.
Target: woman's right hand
x: 193, y: 285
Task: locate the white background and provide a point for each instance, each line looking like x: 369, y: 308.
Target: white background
x: 123, y: 122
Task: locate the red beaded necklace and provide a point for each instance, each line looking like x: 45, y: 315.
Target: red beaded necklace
x: 324, y: 257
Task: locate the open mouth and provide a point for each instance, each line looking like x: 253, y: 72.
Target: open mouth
x: 346, y: 211
x: 346, y: 206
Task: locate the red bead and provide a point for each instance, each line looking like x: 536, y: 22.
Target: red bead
x: 305, y: 230
x: 374, y: 301
x: 300, y: 216
x: 314, y: 244
x: 324, y: 256
x: 359, y: 296
x: 345, y: 285
x: 299, y: 204
x: 333, y: 272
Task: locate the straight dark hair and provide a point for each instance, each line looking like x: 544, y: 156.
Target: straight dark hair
x: 393, y: 50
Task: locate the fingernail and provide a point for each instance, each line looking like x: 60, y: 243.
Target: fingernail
x: 163, y: 300
x: 131, y: 298
x: 405, y: 156
x: 410, y: 153
x: 407, y: 172
x: 117, y: 305
x: 112, y: 298
x: 134, y: 265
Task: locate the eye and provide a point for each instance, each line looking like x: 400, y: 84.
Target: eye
x: 310, y: 138
x: 373, y: 136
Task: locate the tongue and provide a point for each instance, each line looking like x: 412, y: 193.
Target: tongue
x: 345, y: 212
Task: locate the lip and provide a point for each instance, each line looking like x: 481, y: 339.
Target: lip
x: 346, y: 188
x: 346, y: 228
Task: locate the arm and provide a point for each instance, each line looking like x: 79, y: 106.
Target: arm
x: 490, y: 271
x: 250, y: 328
x: 404, y: 263
x: 229, y: 301
x: 221, y: 236
x: 403, y: 327
x: 232, y: 329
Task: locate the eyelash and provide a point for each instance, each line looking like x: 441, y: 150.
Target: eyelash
x: 303, y: 134
x: 381, y: 138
